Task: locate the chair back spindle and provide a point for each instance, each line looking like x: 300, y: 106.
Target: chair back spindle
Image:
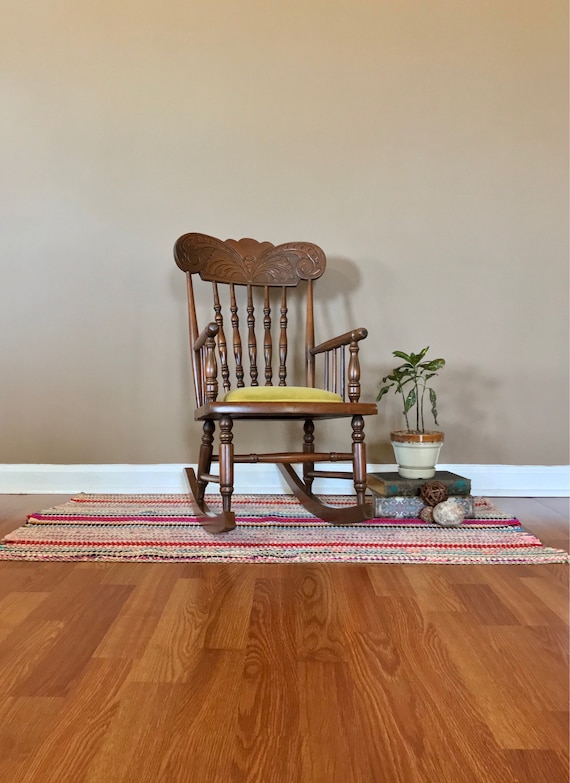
x: 236, y: 337
x: 310, y: 337
x: 251, y: 341
x: 267, y: 344
x: 283, y: 339
x: 334, y: 370
x: 222, y: 347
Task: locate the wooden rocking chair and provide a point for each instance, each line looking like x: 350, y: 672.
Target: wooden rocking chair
x: 268, y: 273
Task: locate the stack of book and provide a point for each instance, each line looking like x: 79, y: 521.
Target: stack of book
x: 396, y: 497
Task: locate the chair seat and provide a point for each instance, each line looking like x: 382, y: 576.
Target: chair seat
x: 284, y: 410
x: 280, y: 394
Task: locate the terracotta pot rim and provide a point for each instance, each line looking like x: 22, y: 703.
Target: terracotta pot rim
x: 405, y: 436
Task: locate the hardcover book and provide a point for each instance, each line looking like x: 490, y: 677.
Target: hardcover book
x: 405, y: 507
x: 391, y: 484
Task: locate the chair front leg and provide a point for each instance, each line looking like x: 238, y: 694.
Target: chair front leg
x: 308, y: 447
x: 359, y: 458
x: 226, y: 457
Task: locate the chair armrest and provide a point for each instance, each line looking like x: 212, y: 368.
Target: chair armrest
x: 337, y: 342
x: 209, y: 332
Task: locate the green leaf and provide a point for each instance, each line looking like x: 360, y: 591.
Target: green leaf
x: 384, y: 390
x: 433, y: 400
x: 410, y: 401
x: 401, y: 355
x: 434, y: 365
x: 415, y: 359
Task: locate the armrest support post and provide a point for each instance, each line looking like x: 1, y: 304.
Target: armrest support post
x: 353, y: 373
x: 205, y: 345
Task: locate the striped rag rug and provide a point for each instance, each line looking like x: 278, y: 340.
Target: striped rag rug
x: 270, y: 529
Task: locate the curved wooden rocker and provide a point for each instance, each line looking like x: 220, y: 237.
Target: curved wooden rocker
x: 336, y: 516
x: 210, y: 520
x: 254, y: 274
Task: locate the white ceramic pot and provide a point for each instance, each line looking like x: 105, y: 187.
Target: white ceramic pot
x: 417, y: 453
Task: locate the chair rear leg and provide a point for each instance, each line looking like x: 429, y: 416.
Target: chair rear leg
x: 205, y: 459
x: 308, y: 447
x: 359, y: 458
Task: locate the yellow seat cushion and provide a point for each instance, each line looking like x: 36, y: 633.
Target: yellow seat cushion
x: 280, y: 394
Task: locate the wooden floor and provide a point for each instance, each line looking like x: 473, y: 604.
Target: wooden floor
x: 285, y: 673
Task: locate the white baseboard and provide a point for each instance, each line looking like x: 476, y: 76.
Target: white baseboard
x: 486, y: 480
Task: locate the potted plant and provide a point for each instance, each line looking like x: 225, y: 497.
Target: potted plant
x: 416, y: 449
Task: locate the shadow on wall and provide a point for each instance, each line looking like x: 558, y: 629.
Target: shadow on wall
x: 336, y: 311
x: 337, y: 296
x: 470, y: 416
x: 335, y: 304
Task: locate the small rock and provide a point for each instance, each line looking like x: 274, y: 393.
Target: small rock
x: 426, y: 514
x: 448, y: 514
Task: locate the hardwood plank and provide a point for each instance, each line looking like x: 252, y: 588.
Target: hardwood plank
x: 317, y: 622
x: 537, y: 766
x: 138, y: 739
x: 23, y: 648
x: 511, y: 646
x: 136, y: 622
x: 560, y: 506
x: 553, y: 593
x: 170, y: 731
x: 390, y: 581
x: 358, y: 604
x: 69, y: 594
x: 82, y: 724
x: 230, y: 591
x: 40, y: 577
x: 432, y: 590
x: 484, y: 605
x: 12, y: 575
x: 326, y: 712
x: 15, y: 608
x: 503, y: 700
x: 208, y: 613
x: 175, y: 644
x: 515, y: 596
x: 82, y: 631
x: 26, y: 723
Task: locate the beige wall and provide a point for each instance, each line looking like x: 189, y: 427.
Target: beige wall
x: 422, y: 144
